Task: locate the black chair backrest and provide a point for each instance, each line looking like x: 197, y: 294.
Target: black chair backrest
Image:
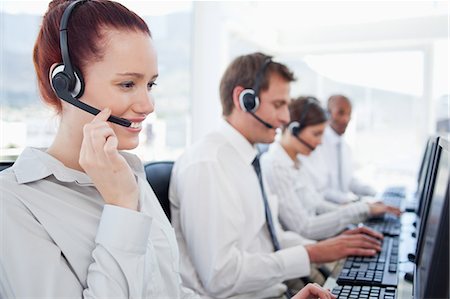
x: 4, y: 165
x: 158, y: 176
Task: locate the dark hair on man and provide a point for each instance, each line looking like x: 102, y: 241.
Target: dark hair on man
x: 314, y: 115
x: 243, y: 72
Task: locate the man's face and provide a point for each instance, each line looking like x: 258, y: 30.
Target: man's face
x: 273, y: 109
x: 340, y: 111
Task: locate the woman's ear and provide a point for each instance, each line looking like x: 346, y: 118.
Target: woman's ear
x: 50, y: 73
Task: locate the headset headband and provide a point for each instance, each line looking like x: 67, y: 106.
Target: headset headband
x: 260, y: 75
x: 308, y: 104
x: 297, y: 125
x: 63, y: 39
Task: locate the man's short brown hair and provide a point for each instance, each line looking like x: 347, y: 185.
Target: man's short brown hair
x: 243, y: 71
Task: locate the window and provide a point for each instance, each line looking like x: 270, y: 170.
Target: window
x: 27, y: 121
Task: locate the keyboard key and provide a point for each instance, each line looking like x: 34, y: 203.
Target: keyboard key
x: 364, y: 292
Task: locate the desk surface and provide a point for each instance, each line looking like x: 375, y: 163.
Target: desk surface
x: 407, y: 245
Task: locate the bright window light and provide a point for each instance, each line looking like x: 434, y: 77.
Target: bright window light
x: 391, y: 71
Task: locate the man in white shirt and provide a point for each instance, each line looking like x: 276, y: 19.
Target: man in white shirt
x: 331, y: 165
x: 230, y: 239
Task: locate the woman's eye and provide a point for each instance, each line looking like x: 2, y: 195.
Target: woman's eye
x: 150, y: 85
x: 129, y: 84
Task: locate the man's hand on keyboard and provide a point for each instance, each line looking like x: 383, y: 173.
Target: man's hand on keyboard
x: 363, y: 230
x: 344, y: 245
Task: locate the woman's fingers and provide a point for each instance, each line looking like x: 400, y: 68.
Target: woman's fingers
x: 314, y: 291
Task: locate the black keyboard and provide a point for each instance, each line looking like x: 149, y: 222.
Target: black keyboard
x: 392, y: 200
x: 387, y: 225
x: 398, y: 191
x: 379, y: 270
x: 347, y: 291
x: 394, y: 196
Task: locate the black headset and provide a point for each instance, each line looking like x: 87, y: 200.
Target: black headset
x: 296, y: 126
x: 64, y: 76
x: 249, y: 98
x: 68, y: 83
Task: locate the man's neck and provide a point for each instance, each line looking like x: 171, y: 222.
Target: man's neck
x: 240, y: 127
x: 335, y: 132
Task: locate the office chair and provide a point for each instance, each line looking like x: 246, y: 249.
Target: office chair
x: 158, y: 176
x: 5, y: 164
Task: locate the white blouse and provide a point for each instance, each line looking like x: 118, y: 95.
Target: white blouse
x: 331, y: 170
x: 301, y: 208
x: 60, y: 240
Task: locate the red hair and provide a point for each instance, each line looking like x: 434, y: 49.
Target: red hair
x: 85, y: 41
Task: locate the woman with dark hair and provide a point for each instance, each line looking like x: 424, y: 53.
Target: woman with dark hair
x: 301, y: 208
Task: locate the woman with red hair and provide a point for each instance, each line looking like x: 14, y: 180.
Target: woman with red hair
x: 78, y: 219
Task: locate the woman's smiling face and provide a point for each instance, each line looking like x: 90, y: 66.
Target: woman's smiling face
x: 122, y: 80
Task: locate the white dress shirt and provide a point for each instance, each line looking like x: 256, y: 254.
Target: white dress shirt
x: 60, y: 240
x: 330, y: 167
x: 301, y: 208
x: 218, y: 216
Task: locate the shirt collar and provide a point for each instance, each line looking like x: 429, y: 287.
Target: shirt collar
x: 36, y: 164
x: 332, y: 135
x: 243, y: 147
x: 277, y: 150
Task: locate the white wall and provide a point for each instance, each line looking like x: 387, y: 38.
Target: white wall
x: 267, y: 26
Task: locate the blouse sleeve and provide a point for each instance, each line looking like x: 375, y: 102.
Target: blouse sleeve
x: 32, y: 264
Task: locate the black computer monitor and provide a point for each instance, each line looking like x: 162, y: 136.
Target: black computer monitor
x: 423, y: 162
x: 424, y: 165
x: 423, y: 191
x: 431, y: 276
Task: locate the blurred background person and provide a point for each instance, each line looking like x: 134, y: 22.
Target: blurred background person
x: 301, y: 208
x: 331, y: 165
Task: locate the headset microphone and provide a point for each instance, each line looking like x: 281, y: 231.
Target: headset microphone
x: 269, y: 126
x: 305, y: 143
x: 67, y: 83
x: 249, y: 97
x: 64, y: 94
x: 294, y: 128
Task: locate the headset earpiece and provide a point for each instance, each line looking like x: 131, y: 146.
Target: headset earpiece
x: 249, y: 97
x: 248, y: 101
x: 294, y: 128
x: 61, y: 80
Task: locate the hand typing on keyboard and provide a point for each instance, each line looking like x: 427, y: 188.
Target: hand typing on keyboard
x: 314, y: 291
x: 361, y: 229
x: 379, y: 208
x: 380, y: 269
x: 360, y: 242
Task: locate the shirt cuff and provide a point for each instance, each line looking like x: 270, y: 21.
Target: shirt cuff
x: 295, y: 261
x: 124, y: 229
x: 359, y: 209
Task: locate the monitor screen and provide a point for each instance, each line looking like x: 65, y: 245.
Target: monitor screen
x: 432, y: 270
x: 424, y: 166
x: 424, y: 161
x: 425, y: 188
